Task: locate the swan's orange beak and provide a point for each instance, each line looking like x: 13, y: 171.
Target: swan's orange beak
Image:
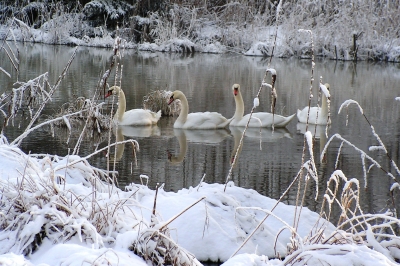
x: 235, y: 91
x: 108, y: 94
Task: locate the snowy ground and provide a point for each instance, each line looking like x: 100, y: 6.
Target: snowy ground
x: 52, y: 214
x: 62, y: 211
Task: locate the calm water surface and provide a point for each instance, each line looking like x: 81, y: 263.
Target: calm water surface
x: 267, y: 163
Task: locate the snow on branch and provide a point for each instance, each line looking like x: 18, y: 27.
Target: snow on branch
x: 346, y: 104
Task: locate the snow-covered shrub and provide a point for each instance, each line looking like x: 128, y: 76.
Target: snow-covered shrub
x: 37, y: 203
x: 107, y: 13
x: 343, y: 30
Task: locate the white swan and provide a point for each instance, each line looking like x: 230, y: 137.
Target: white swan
x: 260, y: 119
x: 134, y: 117
x: 199, y: 120
x: 321, y: 111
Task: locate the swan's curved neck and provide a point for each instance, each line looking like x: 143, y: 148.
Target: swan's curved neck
x: 184, y: 109
x: 121, y: 106
x: 239, y: 107
x: 324, y: 106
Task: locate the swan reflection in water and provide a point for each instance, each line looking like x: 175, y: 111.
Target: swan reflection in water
x: 131, y: 132
x: 140, y: 131
x: 319, y: 132
x: 195, y: 136
x: 118, y: 151
x: 264, y: 134
x: 260, y: 134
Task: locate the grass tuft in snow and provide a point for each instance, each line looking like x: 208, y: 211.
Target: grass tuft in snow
x: 154, y: 244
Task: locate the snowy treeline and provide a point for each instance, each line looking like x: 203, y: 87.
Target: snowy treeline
x: 62, y: 210
x: 344, y: 30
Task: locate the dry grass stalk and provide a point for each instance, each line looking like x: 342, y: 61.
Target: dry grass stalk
x: 12, y: 56
x: 42, y: 206
x: 86, y: 113
x: 154, y: 244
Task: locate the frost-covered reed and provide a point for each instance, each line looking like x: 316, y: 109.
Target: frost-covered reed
x: 39, y: 201
x: 353, y: 227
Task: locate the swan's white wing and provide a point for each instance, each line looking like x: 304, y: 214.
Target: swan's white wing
x: 139, y: 117
x: 206, y: 120
x: 264, y: 119
x: 302, y: 115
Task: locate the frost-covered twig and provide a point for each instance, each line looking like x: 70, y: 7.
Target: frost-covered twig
x: 381, y: 144
x: 364, y: 154
x: 308, y: 115
x: 27, y: 132
x: 155, y: 244
x: 46, y: 98
x: 267, y: 215
x: 98, y: 151
x: 263, y: 83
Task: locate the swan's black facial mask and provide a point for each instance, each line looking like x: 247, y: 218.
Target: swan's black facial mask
x: 171, y: 99
x: 235, y: 91
x: 109, y: 93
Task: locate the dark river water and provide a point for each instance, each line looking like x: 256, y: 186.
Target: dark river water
x: 266, y: 164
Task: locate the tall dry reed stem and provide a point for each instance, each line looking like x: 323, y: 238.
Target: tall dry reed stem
x: 273, y: 98
x: 296, y: 219
x: 33, y: 87
x: 11, y: 55
x: 365, y: 157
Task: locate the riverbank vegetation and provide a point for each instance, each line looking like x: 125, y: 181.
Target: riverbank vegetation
x: 62, y: 205
x: 343, y: 30
x: 51, y: 204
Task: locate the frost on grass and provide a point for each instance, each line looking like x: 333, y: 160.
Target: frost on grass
x: 37, y: 195
x: 83, y: 111
x: 50, y: 198
x: 27, y: 97
x: 354, y: 229
x: 238, y: 26
x: 158, y: 100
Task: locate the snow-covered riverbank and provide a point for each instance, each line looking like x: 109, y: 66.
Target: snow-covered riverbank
x: 343, y: 31
x: 57, y: 211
